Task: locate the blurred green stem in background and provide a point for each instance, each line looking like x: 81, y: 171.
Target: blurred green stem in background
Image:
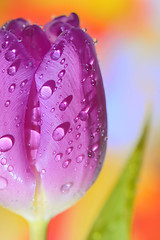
x: 114, y: 221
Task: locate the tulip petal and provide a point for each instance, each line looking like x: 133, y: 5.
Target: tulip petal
x: 74, y: 125
x: 17, y: 182
x: 35, y: 42
x: 59, y: 24
x: 16, y: 26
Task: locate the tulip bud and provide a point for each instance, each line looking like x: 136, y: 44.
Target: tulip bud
x: 53, y: 123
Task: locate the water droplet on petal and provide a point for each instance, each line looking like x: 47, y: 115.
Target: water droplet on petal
x: 69, y: 150
x: 66, y: 187
x: 78, y: 127
x: 3, y: 161
x: 79, y: 146
x: 60, y: 131
x: 10, y: 168
x: 76, y: 119
x: 5, y: 44
x: 65, y: 103
x: 93, y: 82
x: 84, y: 29
x: 59, y: 81
x: 47, y: 89
x: 95, y: 147
x: 12, y: 88
x: 52, y: 110
x: 80, y: 158
x: 78, y: 136
x: 3, y: 183
x: 62, y: 61
x: 14, y: 67
x: 66, y: 163
x: 70, y: 142
x: 41, y: 76
x: 61, y: 73
x: 7, y: 103
x: 10, y: 55
x: 43, y: 171
x: 57, y: 51
x: 23, y: 83
x: 6, y: 143
x: 58, y: 156
x: 83, y: 115
x: 90, y: 154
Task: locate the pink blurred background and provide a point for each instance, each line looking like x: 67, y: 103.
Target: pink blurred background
x: 128, y: 33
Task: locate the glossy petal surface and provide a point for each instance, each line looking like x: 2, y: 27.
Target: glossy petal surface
x: 35, y: 42
x: 15, y: 26
x: 73, y: 115
x: 59, y: 24
x: 17, y: 183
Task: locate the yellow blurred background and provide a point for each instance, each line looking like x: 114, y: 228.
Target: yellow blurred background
x: 128, y: 50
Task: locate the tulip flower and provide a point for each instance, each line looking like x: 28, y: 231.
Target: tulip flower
x: 53, y: 123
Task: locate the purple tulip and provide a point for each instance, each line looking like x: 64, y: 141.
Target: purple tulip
x: 53, y: 122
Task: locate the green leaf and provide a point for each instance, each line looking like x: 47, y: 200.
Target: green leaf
x: 114, y: 221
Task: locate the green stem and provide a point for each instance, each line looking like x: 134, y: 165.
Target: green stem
x: 38, y: 230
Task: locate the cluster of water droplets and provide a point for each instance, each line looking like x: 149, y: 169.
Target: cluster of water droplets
x: 6, y: 144
x: 79, y: 126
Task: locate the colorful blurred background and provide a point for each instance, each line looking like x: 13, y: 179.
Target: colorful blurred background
x: 128, y: 33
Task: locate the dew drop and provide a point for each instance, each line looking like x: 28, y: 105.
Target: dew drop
x: 3, y: 161
x: 78, y: 127
x: 80, y: 158
x: 43, y: 171
x: 93, y: 82
x: 65, y: 103
x: 69, y: 150
x: 62, y: 61
x: 83, y: 115
x: 13, y: 67
x: 61, y: 73
x: 55, y: 55
x: 23, y: 83
x: 58, y: 157
x: 66, y: 163
x: 95, y: 41
x: 7, y: 103
x: 47, y: 89
x: 60, y: 131
x: 95, y: 147
x: 5, y: 44
x: 18, y: 124
x: 79, y: 146
x: 52, y: 110
x: 70, y: 142
x: 41, y: 76
x: 90, y: 154
x: 59, y: 81
x: 3, y: 183
x: 88, y: 67
x: 70, y: 130
x: 76, y: 119
x: 84, y: 29
x: 66, y: 187
x: 10, y: 168
x: 10, y: 55
x: 78, y: 136
x: 57, y: 51
x: 12, y: 88
x: 6, y: 143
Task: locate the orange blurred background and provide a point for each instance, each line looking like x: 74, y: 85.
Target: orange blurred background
x: 128, y: 50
